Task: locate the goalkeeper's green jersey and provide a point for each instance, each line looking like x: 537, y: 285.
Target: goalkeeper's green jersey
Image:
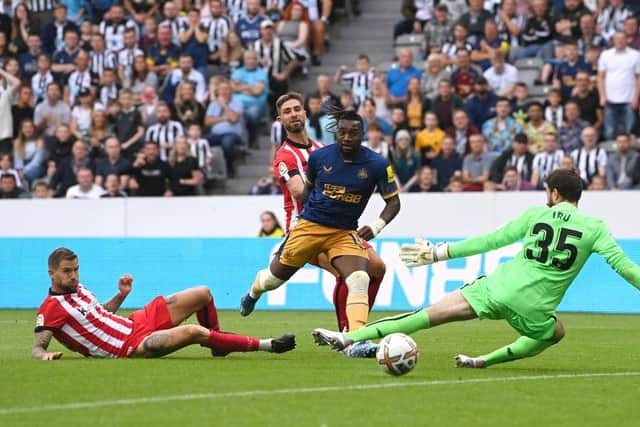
x: 557, y: 241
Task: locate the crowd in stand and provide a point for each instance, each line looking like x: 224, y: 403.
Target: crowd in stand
x: 455, y: 112
x: 110, y: 98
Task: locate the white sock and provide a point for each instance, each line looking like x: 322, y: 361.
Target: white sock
x: 265, y: 345
x: 253, y: 295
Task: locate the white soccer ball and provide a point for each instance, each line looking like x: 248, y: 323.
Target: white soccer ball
x: 397, y: 354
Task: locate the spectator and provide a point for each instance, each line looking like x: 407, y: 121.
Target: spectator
x: 510, y: 24
x: 589, y: 37
x: 588, y: 100
x: 445, y: 103
x: 520, y: 101
x: 459, y: 42
x: 185, y: 71
x: 224, y: 117
x: 250, y: 86
x: 481, y: 106
x: 369, y: 116
x: 323, y: 90
x: 265, y: 186
x: 621, y: 164
x: 80, y: 125
x: 9, y: 189
x: 100, y: 131
x: 437, y: 30
x: 29, y: 152
x: 476, y: 164
x: 319, y: 15
x: 464, y: 77
x: 570, y: 133
x: 60, y: 145
x: 193, y: 37
x: 113, y: 28
x: 546, y: 161
x: 248, y: 26
x: 590, y: 160
x: 554, y: 111
x: 318, y: 122
x: 85, y: 188
x: 346, y: 101
x: 293, y: 29
x: 566, y: 18
x: 517, y: 156
x: 424, y: 182
x: 456, y: 185
x: 53, y: 32
x: 113, y: 164
x: 631, y: 32
x: 448, y: 163
x: 101, y: 58
x: 6, y: 167
x: 461, y: 130
x: 398, y: 77
x: 567, y: 163
x: 80, y: 79
x: 475, y: 20
x: 619, y: 86
x: 22, y: 25
x: 150, y: 174
x: 277, y: 60
x: 218, y: 26
x: 109, y: 87
x: 455, y: 8
x: 485, y: 47
x: 141, y: 76
x: 536, y: 126
x: 52, y: 112
x: 41, y: 190
x: 186, y: 175
x: 513, y: 181
x: 270, y: 226
x: 598, y: 183
x: 149, y: 105
x: 429, y: 140
x: 128, y: 126
x: 416, y: 14
x: 433, y: 74
x: 127, y: 55
x: 63, y: 60
x: 502, y: 77
x: 42, y: 78
x: 186, y: 107
x: 376, y: 142
x: 112, y: 187
x: 149, y: 34
x: 611, y: 19
x: 360, y: 81
x: 65, y: 176
x: 165, y: 131
x: 29, y: 59
x: 172, y: 20
x: 537, y: 31
x: 501, y: 130
x: 210, y: 159
x: 405, y: 160
x: 231, y: 53
x: 416, y: 106
x: 565, y: 76
x: 163, y: 55
x: 398, y: 121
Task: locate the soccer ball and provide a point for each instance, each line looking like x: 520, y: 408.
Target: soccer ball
x: 397, y: 354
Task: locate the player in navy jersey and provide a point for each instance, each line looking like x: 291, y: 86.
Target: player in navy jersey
x: 340, y: 180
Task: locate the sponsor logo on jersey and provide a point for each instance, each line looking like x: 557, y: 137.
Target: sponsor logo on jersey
x: 284, y: 171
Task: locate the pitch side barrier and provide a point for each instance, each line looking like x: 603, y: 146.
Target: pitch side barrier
x: 169, y: 244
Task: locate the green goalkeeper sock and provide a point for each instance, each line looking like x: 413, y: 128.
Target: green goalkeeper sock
x: 406, y: 323
x: 519, y: 349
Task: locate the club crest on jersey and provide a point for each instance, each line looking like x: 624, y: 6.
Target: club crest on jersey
x: 284, y: 171
x: 362, y: 174
x: 327, y: 169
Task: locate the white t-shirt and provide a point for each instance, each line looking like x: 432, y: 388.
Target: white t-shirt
x: 621, y: 69
x: 6, y: 119
x: 83, y: 118
x: 499, y: 82
x: 75, y: 192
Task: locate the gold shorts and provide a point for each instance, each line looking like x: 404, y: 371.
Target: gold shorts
x: 308, y: 239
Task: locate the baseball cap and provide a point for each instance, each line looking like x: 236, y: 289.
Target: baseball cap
x: 266, y: 23
x: 403, y: 134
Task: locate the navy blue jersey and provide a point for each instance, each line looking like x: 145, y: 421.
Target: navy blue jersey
x: 566, y: 73
x: 341, y: 189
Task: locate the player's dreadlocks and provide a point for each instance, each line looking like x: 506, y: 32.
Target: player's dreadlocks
x: 339, y: 114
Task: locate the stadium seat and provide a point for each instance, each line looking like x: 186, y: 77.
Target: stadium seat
x: 609, y: 146
x: 529, y: 63
x: 539, y: 91
x: 528, y: 75
x: 412, y: 41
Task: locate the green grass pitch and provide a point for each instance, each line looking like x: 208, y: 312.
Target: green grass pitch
x: 592, y: 378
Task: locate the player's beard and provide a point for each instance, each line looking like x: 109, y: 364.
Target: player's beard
x: 295, y: 127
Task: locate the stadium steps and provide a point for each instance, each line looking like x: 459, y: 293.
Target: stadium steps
x: 369, y: 33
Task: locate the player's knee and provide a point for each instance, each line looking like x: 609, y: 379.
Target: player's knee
x: 358, y: 282
x: 559, y: 333
x: 268, y: 280
x: 376, y: 267
x: 203, y: 292
x: 197, y: 330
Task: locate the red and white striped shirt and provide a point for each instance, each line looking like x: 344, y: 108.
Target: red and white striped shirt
x: 82, y: 324
x: 291, y: 160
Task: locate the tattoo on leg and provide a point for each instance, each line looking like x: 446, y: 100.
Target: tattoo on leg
x: 170, y: 299
x: 156, y: 345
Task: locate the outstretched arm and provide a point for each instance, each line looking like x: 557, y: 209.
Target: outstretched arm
x: 40, y: 345
x: 124, y: 287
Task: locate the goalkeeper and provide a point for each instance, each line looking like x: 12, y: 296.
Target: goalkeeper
x: 524, y: 291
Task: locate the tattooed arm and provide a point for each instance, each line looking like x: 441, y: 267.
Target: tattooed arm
x: 39, y: 351
x: 124, y: 287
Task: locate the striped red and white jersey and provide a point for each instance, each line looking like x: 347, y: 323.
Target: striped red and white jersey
x: 82, y: 324
x: 291, y: 160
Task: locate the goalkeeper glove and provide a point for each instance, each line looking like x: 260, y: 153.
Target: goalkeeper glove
x: 423, y: 252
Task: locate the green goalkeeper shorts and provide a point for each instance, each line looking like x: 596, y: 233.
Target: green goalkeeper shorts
x: 478, y: 296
